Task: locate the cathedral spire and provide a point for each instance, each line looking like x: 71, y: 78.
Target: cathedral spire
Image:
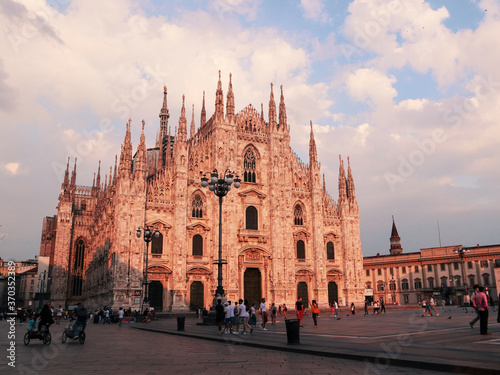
x: 350, y: 181
x: 313, y: 154
x: 126, y: 153
x: 73, y: 175
x: 219, y: 100
x: 230, y: 101
x: 182, y: 131
x: 140, y: 161
x: 164, y: 115
x: 193, y: 126
x: 282, y: 115
x: 342, y: 182
x: 396, y: 248
x: 115, y: 172
x: 66, y: 174
x: 272, y: 110
x: 203, y: 118
x: 324, y: 183
x: 98, y: 180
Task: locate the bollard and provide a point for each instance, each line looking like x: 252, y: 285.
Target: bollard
x: 180, y: 323
x: 292, y: 331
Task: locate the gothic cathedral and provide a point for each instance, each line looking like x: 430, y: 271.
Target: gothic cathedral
x: 283, y: 235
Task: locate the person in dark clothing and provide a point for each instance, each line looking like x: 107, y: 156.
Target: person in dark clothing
x: 219, y: 315
x: 45, y: 317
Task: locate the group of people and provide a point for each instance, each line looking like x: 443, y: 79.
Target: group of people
x: 428, y: 306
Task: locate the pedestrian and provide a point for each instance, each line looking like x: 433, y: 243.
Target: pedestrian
x: 229, y: 316
x: 219, y: 315
x: 146, y: 316
x: 242, y: 317
x: 481, y: 303
x: 376, y: 308
x: 285, y: 310
x: 432, y: 305
x: 332, y: 310
x: 424, y: 306
x: 382, y: 307
x: 472, y: 296
x: 353, y: 309
x: 263, y: 314
x: 121, y: 313
x: 273, y: 314
x: 366, y: 307
x: 299, y: 309
x: 443, y: 304
x: 236, y: 313
x: 315, y: 312
x: 252, y: 320
x: 59, y: 314
x: 336, y: 308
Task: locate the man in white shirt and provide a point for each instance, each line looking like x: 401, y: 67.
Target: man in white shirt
x: 120, y: 315
x: 263, y: 313
x: 229, y: 310
x: 242, y: 317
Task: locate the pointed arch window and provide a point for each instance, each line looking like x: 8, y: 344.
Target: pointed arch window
x: 78, y: 262
x: 249, y: 166
x: 252, y: 219
x: 330, y: 253
x: 197, y: 206
x: 197, y: 245
x: 301, y: 250
x: 298, y: 216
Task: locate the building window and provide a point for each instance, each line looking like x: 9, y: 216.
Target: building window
x: 486, y: 279
x: 197, y: 206
x: 443, y: 267
x: 406, y: 298
x: 298, y: 217
x: 392, y: 286
x: 367, y: 272
x: 252, y: 218
x: 444, y: 281
x: 469, y: 265
x: 455, y: 266
x: 249, y: 166
x: 416, y: 269
x: 380, y: 287
x: 484, y: 263
x: 405, y: 285
x: 157, y: 244
x: 431, y: 282
x: 197, y: 245
x: 471, y: 280
x: 429, y: 267
x: 78, y: 261
x: 391, y: 271
x: 403, y: 269
x: 379, y: 271
x: 330, y: 254
x: 301, y: 250
x: 418, y: 284
x: 32, y: 282
x: 457, y: 280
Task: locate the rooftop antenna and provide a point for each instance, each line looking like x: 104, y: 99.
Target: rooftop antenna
x: 439, y: 234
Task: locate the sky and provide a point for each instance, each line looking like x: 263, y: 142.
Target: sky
x: 408, y: 89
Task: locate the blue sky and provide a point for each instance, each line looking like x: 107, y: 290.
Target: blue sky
x: 409, y: 89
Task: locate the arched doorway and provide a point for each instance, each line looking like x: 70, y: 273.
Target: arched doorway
x: 252, y: 286
x: 156, y: 295
x: 196, y: 300
x: 302, y: 292
x: 333, y: 292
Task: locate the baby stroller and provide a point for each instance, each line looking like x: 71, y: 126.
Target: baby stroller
x: 42, y: 335
x: 68, y: 333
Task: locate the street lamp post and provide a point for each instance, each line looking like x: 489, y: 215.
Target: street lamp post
x: 220, y: 186
x: 461, y: 252
x: 148, y: 236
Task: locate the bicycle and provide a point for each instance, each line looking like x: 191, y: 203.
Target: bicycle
x: 43, y: 335
x: 68, y: 333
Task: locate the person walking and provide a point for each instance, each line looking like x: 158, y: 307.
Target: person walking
x: 315, y: 312
x: 353, y: 309
x: 424, y: 306
x: 481, y: 303
x: 219, y: 316
x: 382, y: 306
x: 472, y: 296
x: 299, y: 310
x: 366, y: 307
x: 336, y: 308
x: 263, y: 313
x: 285, y: 310
x: 252, y: 320
x: 273, y: 314
x: 432, y: 305
x: 332, y: 310
x: 121, y: 313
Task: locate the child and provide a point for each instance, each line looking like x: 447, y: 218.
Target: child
x: 32, y: 323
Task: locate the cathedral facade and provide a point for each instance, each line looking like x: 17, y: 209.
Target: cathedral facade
x: 283, y: 235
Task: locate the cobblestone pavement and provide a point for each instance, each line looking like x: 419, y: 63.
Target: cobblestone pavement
x: 111, y: 349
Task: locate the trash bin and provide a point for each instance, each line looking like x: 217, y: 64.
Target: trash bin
x: 292, y: 331
x: 180, y: 323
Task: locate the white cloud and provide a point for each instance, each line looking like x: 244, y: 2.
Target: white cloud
x: 314, y: 10
x: 14, y: 168
x: 372, y: 85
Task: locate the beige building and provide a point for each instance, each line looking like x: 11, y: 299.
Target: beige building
x: 283, y: 233
x: 448, y: 273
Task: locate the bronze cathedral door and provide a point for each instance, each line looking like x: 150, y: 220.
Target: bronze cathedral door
x: 252, y: 286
